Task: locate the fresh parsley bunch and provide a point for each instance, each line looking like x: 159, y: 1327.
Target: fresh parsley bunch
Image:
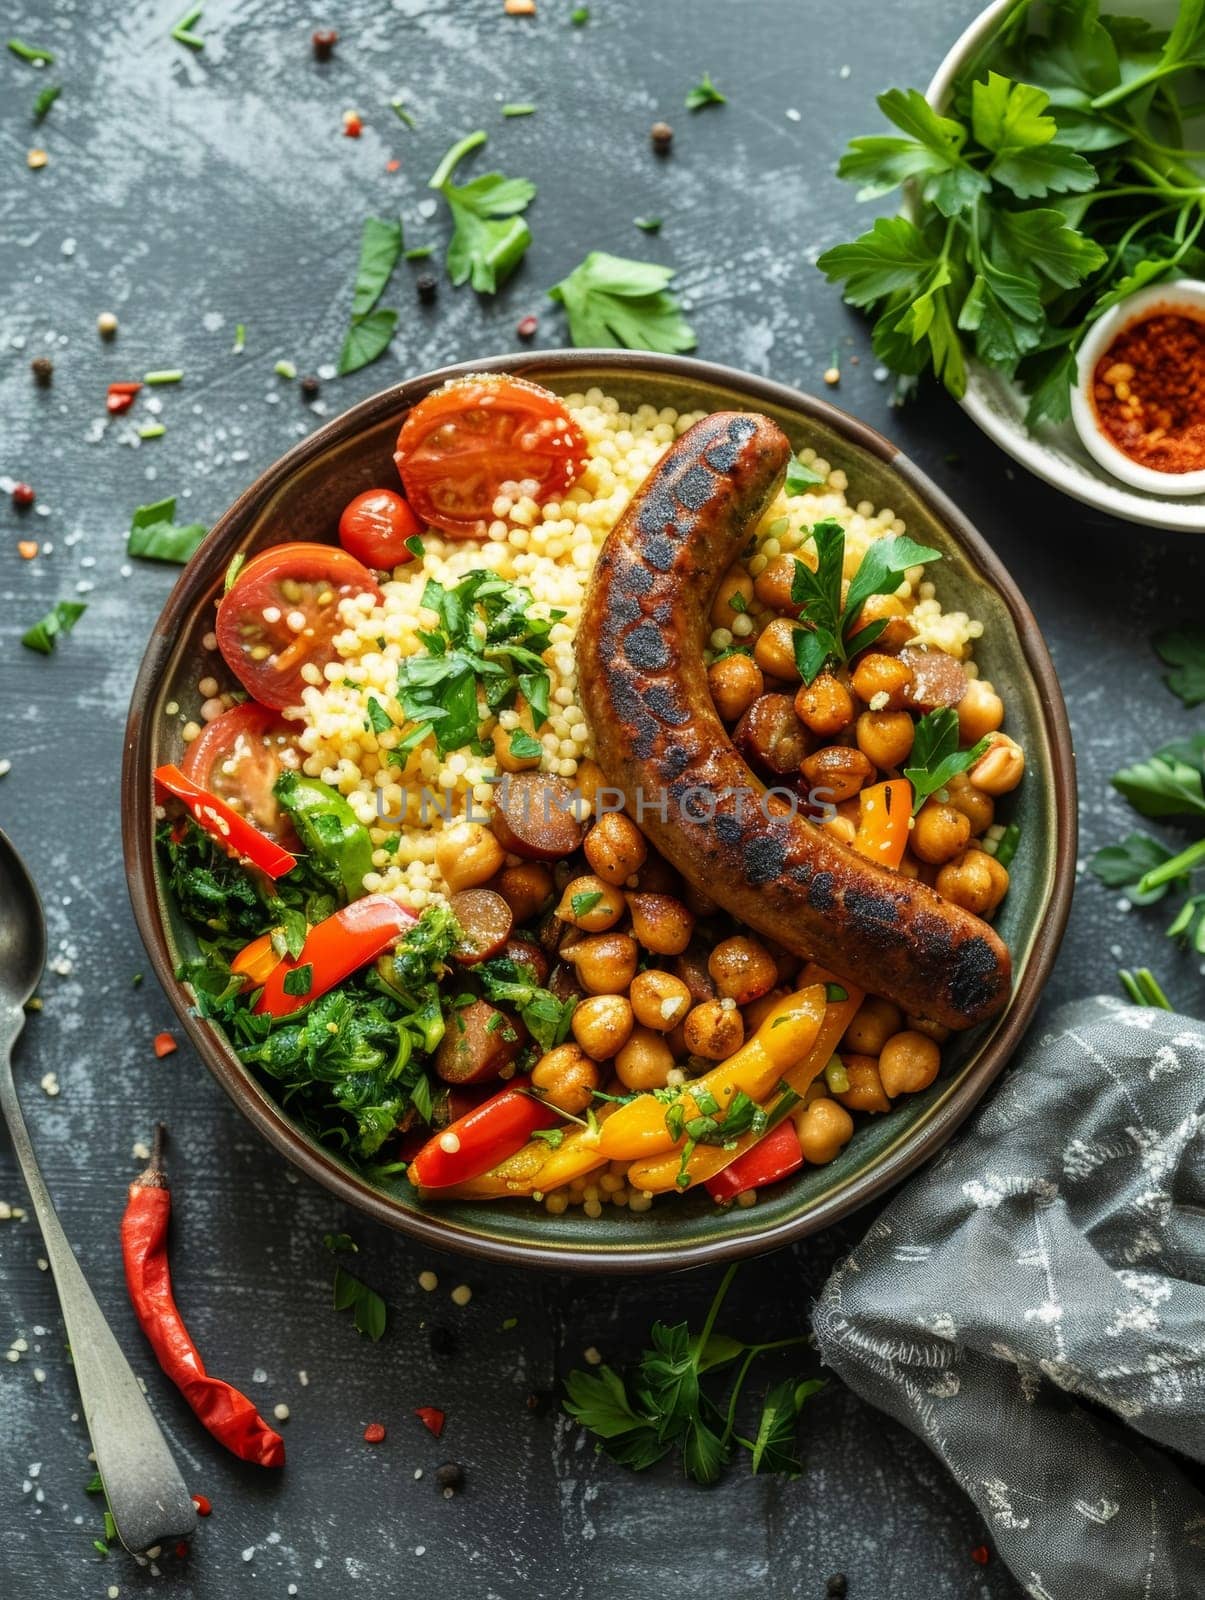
x: 1055, y: 184
x: 661, y: 1404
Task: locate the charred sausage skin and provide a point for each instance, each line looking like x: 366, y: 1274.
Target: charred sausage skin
x: 643, y: 686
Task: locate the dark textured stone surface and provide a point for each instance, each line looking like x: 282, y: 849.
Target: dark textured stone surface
x: 188, y: 193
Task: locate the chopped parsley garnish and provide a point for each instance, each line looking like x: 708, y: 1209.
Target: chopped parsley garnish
x: 523, y: 747
x: 155, y: 536
x: 237, y: 562
x: 648, y: 224
x: 371, y: 330
x: 369, y: 1311
x: 379, y: 719
x: 418, y: 252
x: 579, y: 16
x: 1144, y: 989
x: 546, y: 1018
x: 801, y: 477
x: 669, y: 1400
x: 582, y: 903
x: 703, y: 94
x: 935, y: 757
x: 60, y: 619
x: 46, y: 99
x: 183, y: 32
x: 240, y: 340
x: 398, y: 107
x: 518, y: 108
x: 299, y: 981
x: 31, y: 53
x: 832, y: 634
x: 489, y: 235
x: 610, y: 300
x: 554, y: 1138
x: 488, y: 643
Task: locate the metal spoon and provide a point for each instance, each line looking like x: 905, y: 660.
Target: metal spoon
x: 146, y: 1494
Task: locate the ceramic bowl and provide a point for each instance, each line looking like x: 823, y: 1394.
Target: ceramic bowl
x: 1056, y: 452
x: 300, y: 498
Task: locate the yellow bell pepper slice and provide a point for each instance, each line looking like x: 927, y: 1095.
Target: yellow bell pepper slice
x: 638, y: 1129
x: 535, y: 1169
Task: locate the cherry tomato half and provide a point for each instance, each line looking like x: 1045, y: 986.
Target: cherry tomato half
x: 374, y: 528
x: 282, y: 612
x: 239, y: 756
x: 463, y: 445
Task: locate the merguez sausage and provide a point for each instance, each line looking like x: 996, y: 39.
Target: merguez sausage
x: 643, y: 686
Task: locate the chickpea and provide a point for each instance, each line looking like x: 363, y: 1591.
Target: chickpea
x: 756, y: 1012
x: 825, y: 705
x: 615, y: 848
x: 980, y: 711
x: 823, y: 1127
x: 735, y: 682
x: 590, y: 904
x: 975, y: 881
x: 889, y: 608
x: 978, y: 808
x: 467, y: 854
x: 939, y: 832
x: 933, y: 1030
x: 1001, y: 767
x: 841, y: 828
x: 736, y: 581
x: 714, y: 1030
x: 605, y: 963
x: 885, y: 737
x: 774, y: 651
x: 865, y: 1092
x: 772, y: 586
x: 742, y: 969
x: 527, y: 889
x: 874, y: 1023
x: 660, y: 923
x: 691, y: 967
x: 566, y: 1078
x: 837, y: 771
x: 656, y: 876
x: 602, y: 1025
x: 877, y: 675
x: 645, y: 1061
x: 908, y: 1064
x: 659, y: 1000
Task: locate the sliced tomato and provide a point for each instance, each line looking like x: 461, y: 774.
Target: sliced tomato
x: 239, y: 756
x: 232, y: 831
x: 282, y: 613
x: 479, y: 437
x: 374, y: 528
x: 333, y: 950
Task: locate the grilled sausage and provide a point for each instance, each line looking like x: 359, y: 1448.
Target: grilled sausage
x: 643, y: 686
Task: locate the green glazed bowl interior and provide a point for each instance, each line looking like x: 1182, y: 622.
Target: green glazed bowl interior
x: 301, y: 497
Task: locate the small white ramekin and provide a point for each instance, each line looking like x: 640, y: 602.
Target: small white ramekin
x: 1185, y: 295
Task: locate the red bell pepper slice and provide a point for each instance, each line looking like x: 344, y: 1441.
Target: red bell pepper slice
x: 765, y: 1162
x: 479, y: 1140
x: 334, y: 949
x: 234, y: 833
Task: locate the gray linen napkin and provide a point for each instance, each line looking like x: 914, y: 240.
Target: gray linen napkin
x: 1033, y: 1307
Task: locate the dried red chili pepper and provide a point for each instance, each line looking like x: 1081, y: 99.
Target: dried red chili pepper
x: 229, y: 1416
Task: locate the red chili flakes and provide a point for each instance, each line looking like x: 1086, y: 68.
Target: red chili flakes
x: 431, y: 1418
x: 23, y: 495
x: 324, y: 41
x: 27, y: 549
x: 981, y: 1555
x: 120, y: 397
x: 374, y: 1433
x: 182, y: 1549
x: 527, y: 326
x: 353, y: 125
x: 1149, y: 391
x: 164, y: 1045
x: 393, y: 166
x: 202, y: 1504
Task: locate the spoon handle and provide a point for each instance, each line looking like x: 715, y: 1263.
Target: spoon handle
x: 147, y: 1496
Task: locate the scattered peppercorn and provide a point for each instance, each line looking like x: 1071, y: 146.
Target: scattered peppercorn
x: 427, y: 288
x: 42, y: 368
x: 662, y: 136
x: 837, y: 1586
x: 527, y: 326
x: 374, y: 1433
x: 309, y: 386
x: 443, y: 1342
x: 324, y: 41
x: 23, y: 495
x: 450, y: 1477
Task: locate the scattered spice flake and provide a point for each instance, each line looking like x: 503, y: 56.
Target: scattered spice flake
x: 240, y: 340
x: 398, y: 107
x: 526, y: 326
x: 323, y: 42
x: 27, y: 549
x: 183, y: 33
x: 648, y: 224
x: 981, y: 1555
x: 285, y: 369
x: 518, y: 108
x: 353, y: 125
x: 151, y: 430
x: 165, y: 1045
x: 519, y: 8
x: 45, y: 100
x: 393, y: 165
x: 431, y: 1418
x: 202, y: 1504
x: 166, y: 375
x: 374, y: 1433
x: 36, y: 159
x: 32, y: 53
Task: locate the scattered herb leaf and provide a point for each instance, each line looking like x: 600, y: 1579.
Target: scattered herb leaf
x: 155, y: 536
x: 1183, y: 650
x: 369, y: 1312
x: 610, y: 300
x: 703, y: 94
x: 367, y: 338
x: 31, y: 52
x: 46, y: 99
x: 60, y: 619
x: 489, y: 235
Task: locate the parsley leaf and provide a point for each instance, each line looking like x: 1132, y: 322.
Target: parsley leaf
x: 936, y: 757
x: 523, y: 747
x: 45, y: 100
x: 61, y: 618
x: 703, y: 94
x: 610, y: 300
x: 367, y: 338
x: 379, y: 719
x: 1123, y: 866
x: 300, y: 980
x: 155, y: 536
x: 489, y: 236
x: 1183, y: 649
x: 774, y: 1446
x: 545, y: 1017
x: 370, y: 331
x: 1169, y: 783
x: 800, y: 477
x: 369, y: 1312
x: 581, y: 903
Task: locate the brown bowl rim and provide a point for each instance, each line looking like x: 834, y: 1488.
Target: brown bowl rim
x: 266, y: 1117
